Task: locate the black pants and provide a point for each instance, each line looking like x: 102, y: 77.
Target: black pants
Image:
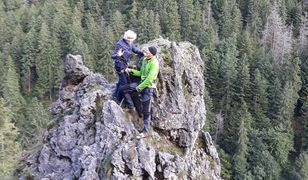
x: 142, y: 101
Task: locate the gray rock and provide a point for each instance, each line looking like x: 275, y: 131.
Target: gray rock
x: 179, y: 108
x: 92, y: 138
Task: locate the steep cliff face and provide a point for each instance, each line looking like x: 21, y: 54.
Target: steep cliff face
x: 92, y: 138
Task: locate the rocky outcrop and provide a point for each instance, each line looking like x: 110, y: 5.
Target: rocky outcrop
x: 90, y: 136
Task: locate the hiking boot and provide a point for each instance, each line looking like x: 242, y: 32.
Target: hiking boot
x: 142, y: 135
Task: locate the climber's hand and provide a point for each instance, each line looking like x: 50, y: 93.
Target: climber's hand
x: 138, y: 89
x: 120, y: 52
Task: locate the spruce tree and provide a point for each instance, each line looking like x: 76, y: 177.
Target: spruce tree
x: 105, y: 64
x: 92, y: 7
x: 3, y: 28
x: 9, y: 146
x: 2, y: 72
x: 198, y: 27
x: 241, y: 154
x: 246, y: 46
x: 11, y: 5
x: 238, y: 113
x: 186, y: 8
x: 93, y: 40
x: 16, y: 46
x: 302, y: 165
x: 13, y: 97
x: 211, y: 60
x: 228, y: 55
x: 132, y: 22
x: 282, y: 139
x: 170, y: 20
x: 27, y: 62
x: 48, y: 12
x: 274, y: 99
x: 155, y: 29
x: 47, y: 63
x: 257, y: 13
x: 230, y: 19
x: 262, y: 164
x: 118, y: 26
x: 38, y: 119
x: 61, y: 27
x: 259, y: 102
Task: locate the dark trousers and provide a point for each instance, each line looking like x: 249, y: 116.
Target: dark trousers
x: 147, y: 95
x: 122, y: 82
x: 142, y: 102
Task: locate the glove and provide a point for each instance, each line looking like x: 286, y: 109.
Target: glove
x: 138, y: 89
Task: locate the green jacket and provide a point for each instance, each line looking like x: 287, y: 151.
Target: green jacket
x: 148, y: 73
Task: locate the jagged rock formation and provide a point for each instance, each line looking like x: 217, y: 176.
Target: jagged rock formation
x: 92, y: 138
x: 303, y: 39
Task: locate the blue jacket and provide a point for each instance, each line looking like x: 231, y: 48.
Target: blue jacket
x: 122, y: 62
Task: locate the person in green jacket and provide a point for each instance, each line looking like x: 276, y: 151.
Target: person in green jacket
x: 148, y: 73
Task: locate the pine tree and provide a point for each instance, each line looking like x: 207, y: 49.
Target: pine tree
x: 9, y: 146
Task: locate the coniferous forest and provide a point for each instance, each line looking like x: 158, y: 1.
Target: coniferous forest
x: 256, y: 71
